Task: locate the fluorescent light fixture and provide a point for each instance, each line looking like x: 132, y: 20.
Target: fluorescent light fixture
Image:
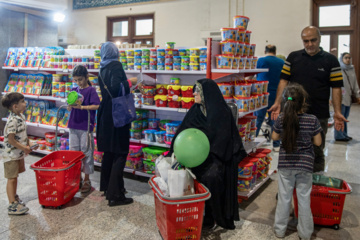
x: 59, y: 17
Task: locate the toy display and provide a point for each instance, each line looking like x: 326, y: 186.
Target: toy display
x: 29, y: 84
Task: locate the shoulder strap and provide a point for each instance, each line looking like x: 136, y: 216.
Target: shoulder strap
x: 106, y: 88
x: 347, y: 77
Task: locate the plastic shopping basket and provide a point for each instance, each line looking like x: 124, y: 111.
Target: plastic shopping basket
x: 326, y: 204
x: 180, y: 218
x: 58, y: 177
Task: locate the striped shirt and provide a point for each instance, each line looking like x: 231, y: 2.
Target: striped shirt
x: 303, y: 158
x: 317, y: 74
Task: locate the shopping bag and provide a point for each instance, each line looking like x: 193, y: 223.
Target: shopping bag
x: 123, y: 109
x: 123, y: 106
x: 180, y: 183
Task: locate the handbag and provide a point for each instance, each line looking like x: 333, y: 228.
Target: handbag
x: 353, y: 96
x: 123, y: 107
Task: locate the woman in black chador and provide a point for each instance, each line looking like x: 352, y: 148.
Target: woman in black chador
x: 218, y: 173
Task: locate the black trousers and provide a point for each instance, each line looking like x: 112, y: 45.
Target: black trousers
x: 111, y: 178
x: 319, y: 162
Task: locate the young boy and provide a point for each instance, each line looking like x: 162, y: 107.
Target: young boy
x: 16, y: 145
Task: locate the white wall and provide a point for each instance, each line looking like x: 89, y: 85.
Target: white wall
x: 277, y: 22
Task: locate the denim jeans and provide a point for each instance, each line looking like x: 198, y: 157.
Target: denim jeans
x: 302, y: 181
x: 78, y: 142
x: 345, y: 111
x: 260, y: 119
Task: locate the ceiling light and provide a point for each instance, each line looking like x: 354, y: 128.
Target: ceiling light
x: 59, y: 17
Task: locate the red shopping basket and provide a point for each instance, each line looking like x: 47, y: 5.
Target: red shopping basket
x: 180, y: 218
x: 326, y: 204
x: 58, y: 177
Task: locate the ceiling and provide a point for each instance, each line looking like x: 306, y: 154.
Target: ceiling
x: 58, y: 5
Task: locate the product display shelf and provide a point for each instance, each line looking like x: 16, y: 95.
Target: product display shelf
x: 242, y: 114
x: 43, y: 126
x: 172, y: 72
x: 143, y: 141
x: 49, y: 98
x: 153, y: 107
x: 247, y: 195
x: 35, y: 151
x: 221, y: 73
x: 250, y: 146
x: 16, y: 69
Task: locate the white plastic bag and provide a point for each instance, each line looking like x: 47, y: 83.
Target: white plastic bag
x: 180, y: 183
x: 162, y: 165
x: 162, y: 185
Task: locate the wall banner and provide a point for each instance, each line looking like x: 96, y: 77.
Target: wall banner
x: 81, y: 4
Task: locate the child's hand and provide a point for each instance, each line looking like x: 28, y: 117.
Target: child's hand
x: 34, y: 148
x: 77, y: 106
x: 27, y: 150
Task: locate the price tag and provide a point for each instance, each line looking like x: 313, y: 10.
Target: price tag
x: 182, y: 110
x: 66, y: 70
x: 16, y: 69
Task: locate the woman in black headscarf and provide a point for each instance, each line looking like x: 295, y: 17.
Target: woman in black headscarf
x: 113, y: 141
x: 211, y: 115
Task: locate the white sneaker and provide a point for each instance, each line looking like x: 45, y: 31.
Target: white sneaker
x: 17, y: 209
x: 276, y: 149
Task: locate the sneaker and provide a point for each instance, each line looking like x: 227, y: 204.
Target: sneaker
x: 17, y: 199
x: 86, y: 187
x: 276, y: 149
x: 17, y: 209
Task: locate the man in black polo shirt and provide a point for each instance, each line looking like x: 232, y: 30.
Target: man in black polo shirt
x: 317, y: 71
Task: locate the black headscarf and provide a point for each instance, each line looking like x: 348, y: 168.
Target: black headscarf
x: 226, y: 148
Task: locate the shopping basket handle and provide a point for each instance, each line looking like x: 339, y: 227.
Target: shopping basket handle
x: 52, y: 170
x: 183, y: 201
x: 199, y: 195
x: 338, y: 192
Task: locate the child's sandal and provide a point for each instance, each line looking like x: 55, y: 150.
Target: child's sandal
x: 86, y: 187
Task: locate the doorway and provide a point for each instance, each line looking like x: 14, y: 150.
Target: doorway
x: 337, y: 21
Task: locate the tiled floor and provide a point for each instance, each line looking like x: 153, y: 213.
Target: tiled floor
x: 89, y: 217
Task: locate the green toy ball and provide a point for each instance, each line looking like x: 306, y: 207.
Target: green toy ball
x: 191, y: 147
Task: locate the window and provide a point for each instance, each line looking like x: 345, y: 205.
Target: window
x: 138, y: 29
x: 338, y: 21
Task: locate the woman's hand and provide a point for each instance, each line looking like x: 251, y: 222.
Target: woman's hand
x: 69, y: 107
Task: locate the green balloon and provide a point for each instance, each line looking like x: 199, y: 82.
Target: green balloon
x: 191, y: 147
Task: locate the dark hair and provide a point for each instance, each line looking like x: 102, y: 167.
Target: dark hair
x: 270, y: 49
x: 80, y: 71
x: 10, y: 99
x: 343, y: 55
x: 293, y: 101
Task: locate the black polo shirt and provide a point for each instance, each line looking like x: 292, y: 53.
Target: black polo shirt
x: 317, y: 74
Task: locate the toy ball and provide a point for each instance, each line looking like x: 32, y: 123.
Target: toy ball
x: 191, y: 147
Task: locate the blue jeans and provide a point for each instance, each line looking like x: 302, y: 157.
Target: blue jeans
x: 302, y: 181
x: 345, y: 111
x: 260, y: 119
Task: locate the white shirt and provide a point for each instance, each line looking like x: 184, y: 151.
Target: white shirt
x: 15, y: 124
